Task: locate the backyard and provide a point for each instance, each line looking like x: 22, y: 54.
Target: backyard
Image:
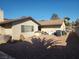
x: 37, y: 49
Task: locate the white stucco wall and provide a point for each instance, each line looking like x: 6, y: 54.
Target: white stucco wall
x: 2, y: 30
x: 16, y: 29
x: 52, y: 30
x: 63, y: 27
x: 8, y: 31
x: 5, y: 31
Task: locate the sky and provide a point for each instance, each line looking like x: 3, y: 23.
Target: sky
x: 40, y: 9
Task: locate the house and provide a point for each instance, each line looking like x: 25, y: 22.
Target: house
x: 51, y: 26
x: 27, y: 26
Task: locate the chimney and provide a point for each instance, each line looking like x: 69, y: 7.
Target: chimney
x: 1, y: 15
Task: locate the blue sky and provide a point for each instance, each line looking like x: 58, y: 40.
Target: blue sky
x: 40, y: 9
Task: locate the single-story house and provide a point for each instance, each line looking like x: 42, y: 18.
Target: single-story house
x: 26, y: 26
x: 51, y: 26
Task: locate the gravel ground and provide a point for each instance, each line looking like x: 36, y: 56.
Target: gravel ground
x: 26, y: 50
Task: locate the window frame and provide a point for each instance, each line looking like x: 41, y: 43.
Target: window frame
x: 24, y: 27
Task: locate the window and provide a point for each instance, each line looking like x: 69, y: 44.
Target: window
x: 27, y: 28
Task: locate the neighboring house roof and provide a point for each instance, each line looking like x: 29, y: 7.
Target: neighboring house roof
x: 51, y: 22
x: 6, y: 21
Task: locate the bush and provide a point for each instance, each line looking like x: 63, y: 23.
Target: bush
x: 44, y: 33
x: 64, y: 33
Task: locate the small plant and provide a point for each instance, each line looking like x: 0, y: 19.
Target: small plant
x: 22, y: 37
x: 42, y: 43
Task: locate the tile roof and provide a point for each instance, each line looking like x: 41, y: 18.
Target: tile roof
x: 51, y: 22
x: 42, y: 23
x: 6, y: 21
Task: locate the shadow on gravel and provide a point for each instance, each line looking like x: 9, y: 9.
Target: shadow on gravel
x: 38, y: 49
